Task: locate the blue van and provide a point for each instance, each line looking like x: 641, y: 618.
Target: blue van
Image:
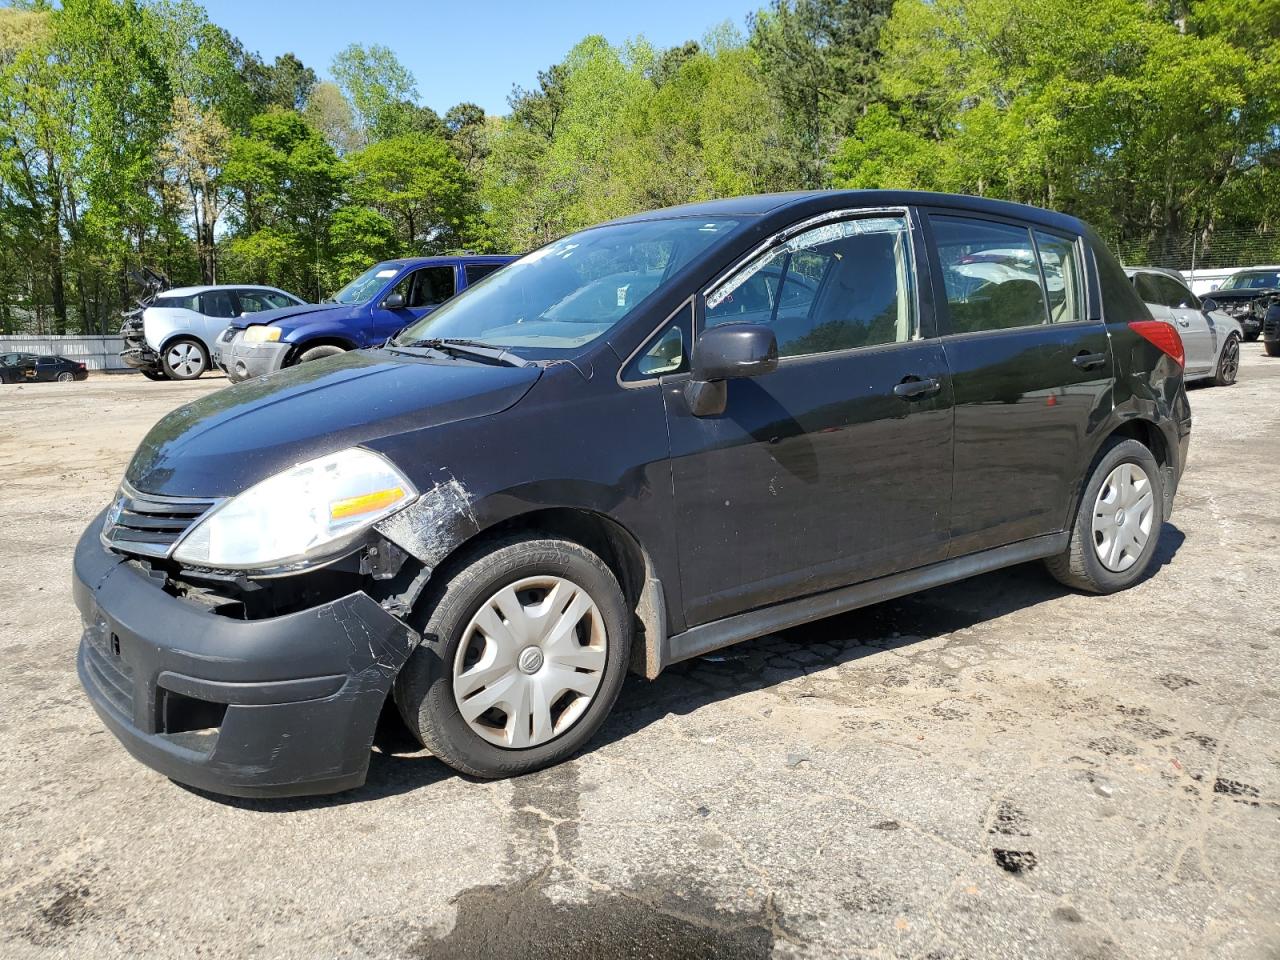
x: 372, y: 307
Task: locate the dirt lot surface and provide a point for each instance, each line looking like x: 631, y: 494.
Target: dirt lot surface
x: 998, y: 768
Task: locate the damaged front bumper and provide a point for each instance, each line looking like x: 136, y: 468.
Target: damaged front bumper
x: 243, y: 361
x: 283, y: 706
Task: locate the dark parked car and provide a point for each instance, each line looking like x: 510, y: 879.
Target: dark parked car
x: 30, y: 367
x: 1251, y: 296
x: 372, y: 307
x: 610, y: 456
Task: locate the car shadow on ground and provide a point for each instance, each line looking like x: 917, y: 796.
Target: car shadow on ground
x: 753, y: 665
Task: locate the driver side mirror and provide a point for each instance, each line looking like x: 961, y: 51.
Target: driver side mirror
x: 394, y: 302
x: 1208, y: 304
x: 728, y: 352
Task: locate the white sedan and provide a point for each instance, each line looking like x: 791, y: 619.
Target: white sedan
x: 1210, y: 337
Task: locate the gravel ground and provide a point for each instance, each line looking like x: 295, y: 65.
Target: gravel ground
x: 998, y: 768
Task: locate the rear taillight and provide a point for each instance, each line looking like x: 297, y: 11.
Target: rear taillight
x: 1163, y: 335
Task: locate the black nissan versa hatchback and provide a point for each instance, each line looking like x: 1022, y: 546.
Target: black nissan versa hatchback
x: 633, y: 446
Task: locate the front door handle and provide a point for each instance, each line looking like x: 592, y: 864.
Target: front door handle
x: 913, y: 387
x: 1087, y: 361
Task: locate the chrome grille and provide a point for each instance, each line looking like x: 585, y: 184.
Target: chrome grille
x: 148, y: 525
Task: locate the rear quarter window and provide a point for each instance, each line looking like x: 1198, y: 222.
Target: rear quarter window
x: 1120, y: 302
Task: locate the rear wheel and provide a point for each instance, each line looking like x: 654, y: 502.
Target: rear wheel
x: 319, y: 353
x: 1117, y: 524
x: 525, y: 648
x: 66, y: 377
x: 184, y: 360
x: 1250, y: 337
x: 1272, y: 347
x: 1228, y: 362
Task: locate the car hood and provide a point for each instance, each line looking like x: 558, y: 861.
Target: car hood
x: 1235, y: 296
x: 227, y: 441
x: 287, y: 313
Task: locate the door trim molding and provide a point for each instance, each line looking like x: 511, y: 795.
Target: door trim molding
x: 708, y: 637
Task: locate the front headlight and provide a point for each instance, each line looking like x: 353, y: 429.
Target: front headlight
x: 260, y: 333
x: 308, y: 512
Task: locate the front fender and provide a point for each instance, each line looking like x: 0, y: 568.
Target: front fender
x: 350, y: 331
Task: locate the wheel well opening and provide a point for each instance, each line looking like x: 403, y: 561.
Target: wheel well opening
x: 604, y: 537
x: 1147, y: 434
x: 189, y: 337
x: 306, y: 345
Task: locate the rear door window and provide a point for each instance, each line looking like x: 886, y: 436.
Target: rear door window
x: 218, y: 303
x: 478, y: 271
x: 1175, y: 294
x: 1147, y: 289
x: 1063, y: 277
x: 190, y: 302
x: 991, y: 274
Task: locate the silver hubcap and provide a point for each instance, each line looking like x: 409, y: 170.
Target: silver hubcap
x: 530, y: 662
x: 185, y: 360
x: 1122, y: 517
x: 65, y: 377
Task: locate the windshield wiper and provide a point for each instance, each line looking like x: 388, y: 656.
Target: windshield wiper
x: 468, y: 348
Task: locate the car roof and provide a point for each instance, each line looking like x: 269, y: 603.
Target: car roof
x: 818, y: 201
x: 208, y: 288
x: 449, y: 259
x: 1167, y: 271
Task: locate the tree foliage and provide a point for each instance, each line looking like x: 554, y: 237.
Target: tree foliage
x: 140, y: 133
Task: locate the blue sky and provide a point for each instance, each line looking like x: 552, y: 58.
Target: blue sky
x: 467, y: 49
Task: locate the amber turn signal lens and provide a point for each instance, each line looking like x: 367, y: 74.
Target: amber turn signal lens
x: 365, y: 503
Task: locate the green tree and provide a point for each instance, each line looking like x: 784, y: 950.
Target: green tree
x: 415, y: 182
x: 287, y: 184
x: 380, y: 89
x: 1142, y: 122
x: 819, y: 59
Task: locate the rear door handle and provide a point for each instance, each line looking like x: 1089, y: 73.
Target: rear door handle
x: 912, y: 387
x: 1183, y: 323
x: 1087, y: 361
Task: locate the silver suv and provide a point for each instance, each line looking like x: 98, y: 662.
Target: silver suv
x: 174, y: 336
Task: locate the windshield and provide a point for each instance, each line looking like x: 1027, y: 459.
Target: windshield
x: 1253, y: 281
x: 563, y: 296
x: 363, y: 288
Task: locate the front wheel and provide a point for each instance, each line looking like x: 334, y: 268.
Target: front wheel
x: 1272, y: 347
x: 153, y: 375
x: 1117, y: 523
x: 525, y: 648
x: 1228, y: 362
x: 1250, y: 337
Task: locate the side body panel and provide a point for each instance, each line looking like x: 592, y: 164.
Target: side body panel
x: 1025, y: 413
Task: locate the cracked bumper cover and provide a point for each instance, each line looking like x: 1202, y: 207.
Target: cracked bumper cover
x: 243, y: 361
x: 303, y: 691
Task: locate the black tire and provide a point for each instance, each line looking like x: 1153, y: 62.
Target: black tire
x: 424, y: 689
x: 319, y: 353
x: 66, y: 377
x: 1272, y: 347
x: 1228, y: 362
x: 154, y: 375
x: 190, y: 347
x: 1078, y: 566
x: 1250, y: 337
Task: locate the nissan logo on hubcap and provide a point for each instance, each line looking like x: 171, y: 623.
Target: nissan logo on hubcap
x: 530, y: 660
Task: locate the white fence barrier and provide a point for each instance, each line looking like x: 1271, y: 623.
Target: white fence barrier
x: 96, y: 353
